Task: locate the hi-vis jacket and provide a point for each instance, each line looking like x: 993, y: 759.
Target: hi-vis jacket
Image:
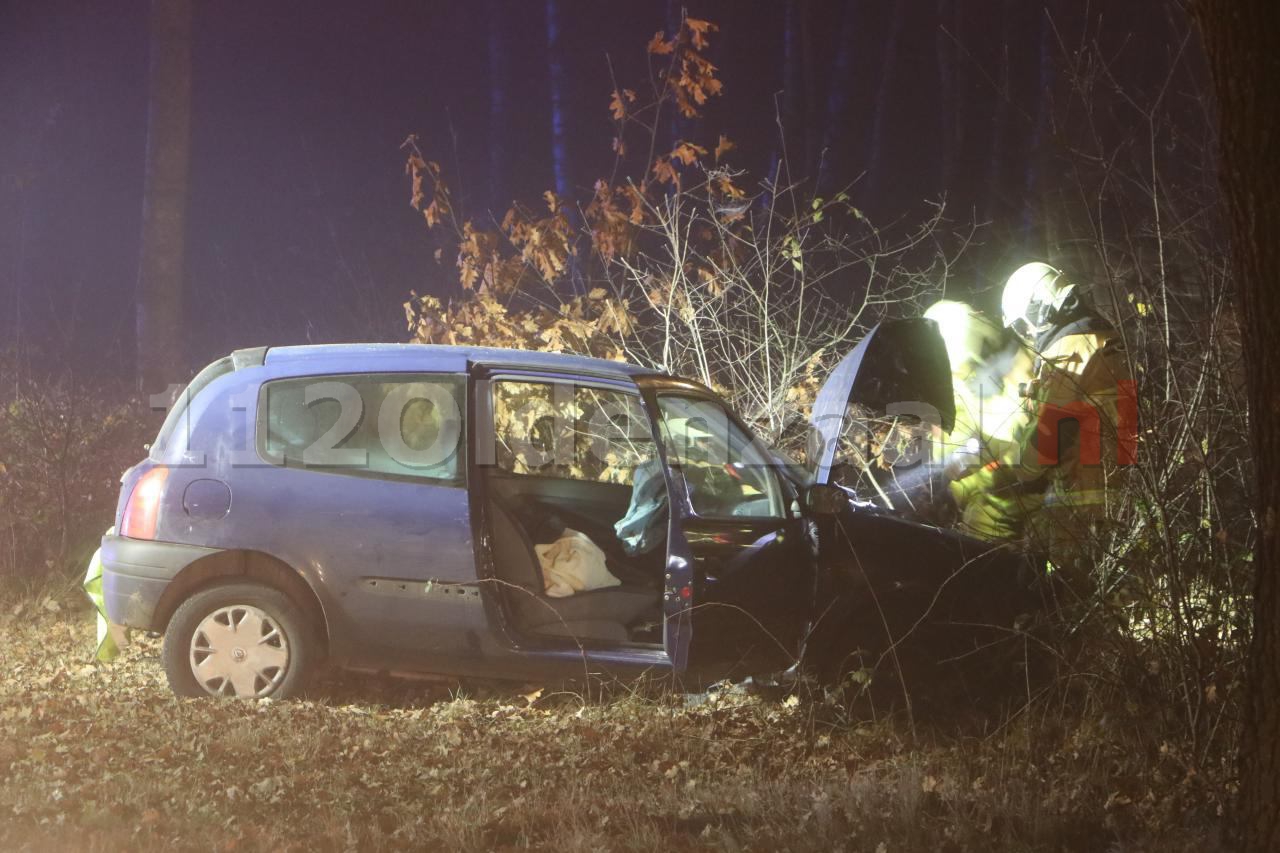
x: 1085, y: 415
x: 1078, y: 424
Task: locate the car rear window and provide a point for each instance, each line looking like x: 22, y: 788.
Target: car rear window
x: 394, y: 426
x: 177, y: 416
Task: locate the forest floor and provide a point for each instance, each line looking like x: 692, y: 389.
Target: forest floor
x: 104, y: 757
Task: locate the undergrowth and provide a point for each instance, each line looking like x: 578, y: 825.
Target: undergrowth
x: 98, y: 757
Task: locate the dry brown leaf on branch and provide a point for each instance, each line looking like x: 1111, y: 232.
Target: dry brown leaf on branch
x: 618, y: 103
x: 414, y: 167
x: 659, y: 46
x: 725, y: 184
x: 698, y: 30
x: 419, y: 170
x: 476, y: 253
x: 687, y: 152
x: 665, y: 172
x: 724, y: 146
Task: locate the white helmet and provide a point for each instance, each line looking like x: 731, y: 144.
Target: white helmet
x: 971, y: 339
x: 1031, y: 296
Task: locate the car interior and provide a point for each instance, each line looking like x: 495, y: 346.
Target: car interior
x: 566, y: 460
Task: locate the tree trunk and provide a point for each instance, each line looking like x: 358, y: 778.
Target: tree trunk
x: 1039, y: 208
x: 883, y: 94
x: 961, y: 99
x: 499, y: 127
x: 833, y: 129
x: 559, y: 84
x: 947, y: 112
x: 995, y: 199
x: 809, y: 89
x: 1242, y: 43
x: 160, y: 358
x: 792, y: 135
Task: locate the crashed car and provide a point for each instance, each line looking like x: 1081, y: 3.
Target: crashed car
x: 458, y: 511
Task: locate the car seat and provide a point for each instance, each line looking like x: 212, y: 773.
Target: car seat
x: 599, y: 614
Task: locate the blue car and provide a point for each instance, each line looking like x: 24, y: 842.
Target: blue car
x: 412, y: 509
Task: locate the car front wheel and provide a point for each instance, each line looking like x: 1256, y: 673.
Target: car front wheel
x: 239, y: 639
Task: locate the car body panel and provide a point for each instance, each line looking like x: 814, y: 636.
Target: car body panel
x: 357, y: 541
x: 374, y: 358
x: 140, y: 572
x: 907, y: 590
x: 401, y: 567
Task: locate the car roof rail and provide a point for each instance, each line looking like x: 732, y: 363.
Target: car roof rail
x: 252, y: 357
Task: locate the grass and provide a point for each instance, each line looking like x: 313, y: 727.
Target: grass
x: 103, y: 757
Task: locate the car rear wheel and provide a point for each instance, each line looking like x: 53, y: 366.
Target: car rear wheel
x: 240, y: 640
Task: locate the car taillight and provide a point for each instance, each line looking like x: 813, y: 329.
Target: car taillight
x: 143, y: 509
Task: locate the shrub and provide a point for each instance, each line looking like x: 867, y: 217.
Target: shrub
x: 678, y: 261
x: 63, y: 445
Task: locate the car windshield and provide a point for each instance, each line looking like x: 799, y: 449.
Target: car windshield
x: 726, y: 470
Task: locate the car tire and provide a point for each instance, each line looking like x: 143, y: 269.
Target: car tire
x: 243, y: 640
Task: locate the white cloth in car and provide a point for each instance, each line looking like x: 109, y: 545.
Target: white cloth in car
x: 573, y: 563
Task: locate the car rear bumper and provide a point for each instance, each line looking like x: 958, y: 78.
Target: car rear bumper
x: 135, y: 573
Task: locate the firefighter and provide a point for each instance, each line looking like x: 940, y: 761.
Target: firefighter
x: 1080, y: 405
x: 988, y: 367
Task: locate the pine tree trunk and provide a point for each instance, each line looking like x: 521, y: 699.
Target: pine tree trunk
x: 996, y: 173
x: 1040, y: 207
x: 160, y: 358
x: 559, y: 83
x: 499, y: 127
x: 833, y: 129
x: 961, y: 107
x: 792, y: 90
x: 809, y: 89
x: 1242, y: 43
x: 947, y: 113
x: 883, y: 93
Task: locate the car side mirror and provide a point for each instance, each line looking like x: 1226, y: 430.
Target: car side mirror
x: 825, y: 499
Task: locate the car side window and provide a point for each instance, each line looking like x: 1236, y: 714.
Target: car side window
x: 377, y: 425
x: 176, y: 422
x: 570, y: 431
x: 727, y: 471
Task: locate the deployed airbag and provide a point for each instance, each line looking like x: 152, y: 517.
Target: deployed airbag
x: 644, y: 526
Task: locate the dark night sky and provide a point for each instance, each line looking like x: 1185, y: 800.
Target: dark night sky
x: 298, y: 224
